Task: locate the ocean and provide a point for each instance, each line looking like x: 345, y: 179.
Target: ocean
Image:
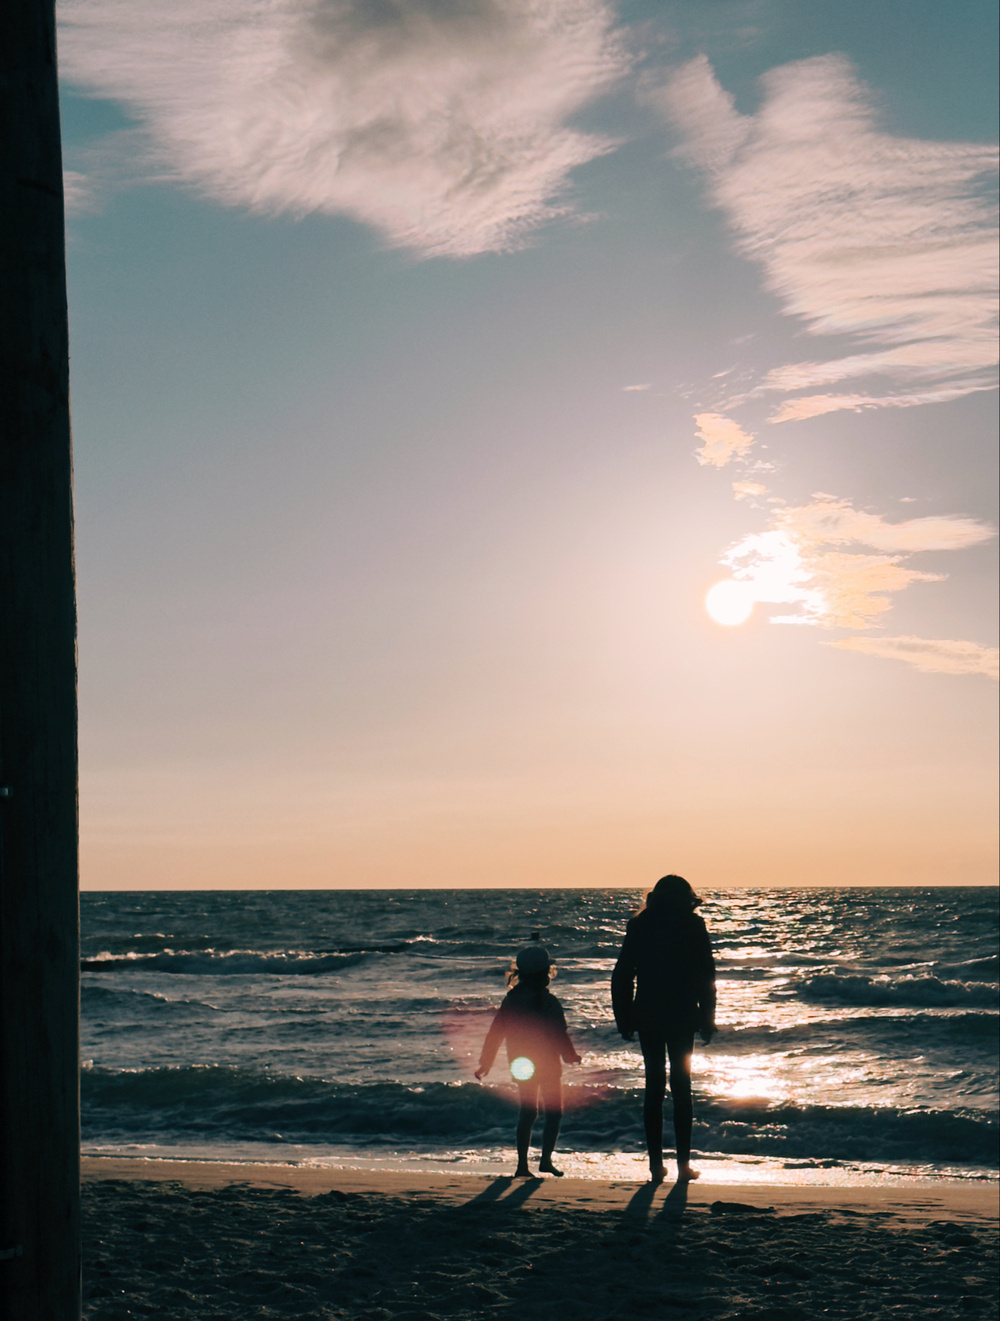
x: 858, y: 1029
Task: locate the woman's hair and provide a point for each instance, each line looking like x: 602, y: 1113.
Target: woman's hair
x: 671, y: 896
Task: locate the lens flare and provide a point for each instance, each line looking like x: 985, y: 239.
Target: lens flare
x: 465, y: 1031
x: 522, y: 1068
x: 730, y: 602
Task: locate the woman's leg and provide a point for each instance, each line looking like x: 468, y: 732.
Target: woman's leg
x: 552, y: 1105
x: 526, y: 1116
x: 654, y: 1058
x: 679, y: 1049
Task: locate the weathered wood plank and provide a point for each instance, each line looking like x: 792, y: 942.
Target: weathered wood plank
x: 39, y: 904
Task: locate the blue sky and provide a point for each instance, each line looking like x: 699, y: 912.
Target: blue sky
x: 431, y: 362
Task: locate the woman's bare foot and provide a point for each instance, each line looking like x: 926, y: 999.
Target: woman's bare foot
x: 657, y: 1175
x: 685, y: 1174
x: 522, y: 1172
x: 546, y: 1167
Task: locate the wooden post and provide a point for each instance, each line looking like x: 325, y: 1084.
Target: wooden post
x: 39, y: 903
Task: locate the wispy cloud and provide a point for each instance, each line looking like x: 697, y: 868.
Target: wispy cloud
x: 832, y: 589
x: 814, y: 405
x: 832, y: 522
x: 748, y: 490
x: 78, y: 197
x: 888, y: 242
x: 444, y: 126
x: 792, y: 563
x: 723, y: 439
x: 884, y: 239
x: 933, y: 655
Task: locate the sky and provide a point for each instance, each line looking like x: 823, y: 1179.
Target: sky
x: 533, y: 442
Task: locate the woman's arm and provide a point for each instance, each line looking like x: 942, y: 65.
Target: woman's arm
x: 623, y: 986
x: 706, y: 990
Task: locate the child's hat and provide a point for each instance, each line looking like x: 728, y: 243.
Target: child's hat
x: 533, y: 958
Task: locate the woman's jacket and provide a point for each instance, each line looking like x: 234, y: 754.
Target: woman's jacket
x: 664, y: 980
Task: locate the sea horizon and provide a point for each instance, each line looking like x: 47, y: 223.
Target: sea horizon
x: 432, y: 889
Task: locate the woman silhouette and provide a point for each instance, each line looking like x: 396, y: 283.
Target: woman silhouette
x: 663, y: 987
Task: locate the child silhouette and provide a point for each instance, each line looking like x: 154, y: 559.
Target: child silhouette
x: 532, y: 1022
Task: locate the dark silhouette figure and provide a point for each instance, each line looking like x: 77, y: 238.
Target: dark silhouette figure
x: 663, y: 987
x: 532, y: 1022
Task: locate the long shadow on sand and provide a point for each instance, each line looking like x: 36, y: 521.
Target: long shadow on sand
x: 593, y: 1264
x: 675, y: 1202
x: 517, y: 1190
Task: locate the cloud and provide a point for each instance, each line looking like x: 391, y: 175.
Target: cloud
x: 444, y: 126
x: 723, y: 439
x: 790, y: 563
x: 78, y: 193
x: 814, y: 405
x: 746, y: 490
x: 831, y: 589
x: 932, y: 655
x: 829, y: 521
x: 629, y: 388
x: 885, y: 239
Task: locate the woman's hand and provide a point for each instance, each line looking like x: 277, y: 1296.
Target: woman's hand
x: 574, y: 1058
x: 707, y: 1032
x: 481, y: 1073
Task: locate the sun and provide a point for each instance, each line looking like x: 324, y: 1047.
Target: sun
x: 730, y: 602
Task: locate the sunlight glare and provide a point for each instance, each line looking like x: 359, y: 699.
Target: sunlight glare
x: 730, y: 602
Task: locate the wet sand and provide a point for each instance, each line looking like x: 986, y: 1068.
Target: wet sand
x: 201, y: 1241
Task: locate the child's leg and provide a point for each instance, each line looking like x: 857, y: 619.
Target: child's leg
x: 526, y: 1117
x: 552, y: 1102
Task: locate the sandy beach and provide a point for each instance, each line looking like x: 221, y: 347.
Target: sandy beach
x: 205, y: 1241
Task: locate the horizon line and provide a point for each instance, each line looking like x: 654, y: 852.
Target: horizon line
x: 436, y: 889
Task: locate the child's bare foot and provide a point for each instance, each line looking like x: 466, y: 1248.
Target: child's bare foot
x: 546, y: 1167
x: 657, y: 1175
x: 685, y: 1174
x: 522, y: 1172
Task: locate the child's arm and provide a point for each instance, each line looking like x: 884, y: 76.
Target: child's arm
x: 494, y: 1038
x: 569, y: 1052
x: 566, y: 1048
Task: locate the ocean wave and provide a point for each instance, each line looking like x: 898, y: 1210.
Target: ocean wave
x: 224, y: 1100
x: 885, y: 1134
x: 239, y: 1105
x: 952, y: 1037
x: 921, y: 992
x: 98, y: 999
x: 985, y: 969
x: 237, y: 962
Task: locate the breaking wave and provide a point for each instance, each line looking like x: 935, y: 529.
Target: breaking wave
x: 229, y: 1104
x: 919, y: 992
x: 238, y: 962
